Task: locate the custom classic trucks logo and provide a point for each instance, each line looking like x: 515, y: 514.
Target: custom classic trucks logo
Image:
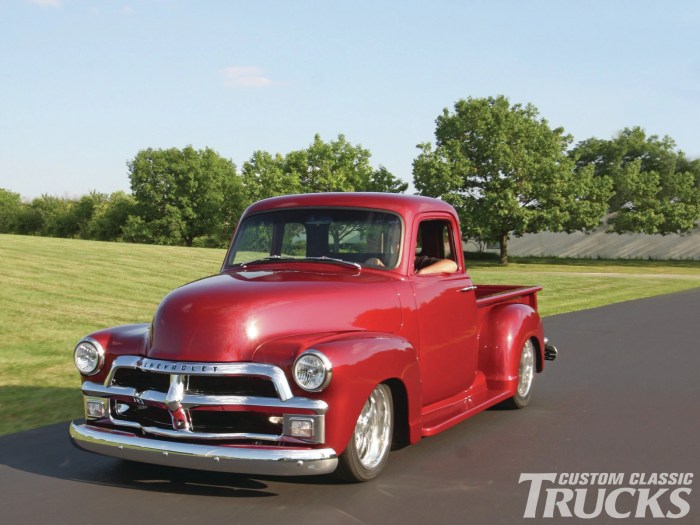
x: 613, y: 495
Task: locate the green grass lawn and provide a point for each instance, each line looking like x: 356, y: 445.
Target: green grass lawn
x: 578, y: 284
x: 54, y: 291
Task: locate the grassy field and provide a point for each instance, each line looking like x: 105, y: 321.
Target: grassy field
x: 54, y: 291
x: 578, y: 284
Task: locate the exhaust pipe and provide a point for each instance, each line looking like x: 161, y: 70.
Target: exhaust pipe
x: 550, y: 351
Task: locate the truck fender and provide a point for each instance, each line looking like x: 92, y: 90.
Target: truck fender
x: 359, y: 365
x: 131, y: 339
x: 360, y: 362
x: 503, y: 333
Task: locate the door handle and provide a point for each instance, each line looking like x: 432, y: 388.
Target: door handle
x: 468, y: 288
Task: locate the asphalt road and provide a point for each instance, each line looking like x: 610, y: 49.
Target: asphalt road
x: 622, y: 398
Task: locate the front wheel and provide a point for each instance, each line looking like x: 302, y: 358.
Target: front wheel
x: 370, y: 443
x: 526, y: 375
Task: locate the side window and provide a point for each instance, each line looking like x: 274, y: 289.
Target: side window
x: 435, y: 244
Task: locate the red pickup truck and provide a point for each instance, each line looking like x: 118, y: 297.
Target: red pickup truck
x: 339, y: 325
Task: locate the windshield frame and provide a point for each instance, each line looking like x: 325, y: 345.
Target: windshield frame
x: 282, y: 259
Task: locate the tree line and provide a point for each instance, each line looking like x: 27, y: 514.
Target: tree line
x: 501, y: 165
x: 194, y: 197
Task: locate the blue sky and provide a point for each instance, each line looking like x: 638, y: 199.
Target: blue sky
x: 86, y: 84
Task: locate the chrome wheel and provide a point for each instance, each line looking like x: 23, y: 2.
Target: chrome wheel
x: 370, y: 442
x: 527, y: 370
x: 373, y: 429
x: 526, y: 376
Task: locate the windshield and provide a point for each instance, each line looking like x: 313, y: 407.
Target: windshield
x: 364, y: 237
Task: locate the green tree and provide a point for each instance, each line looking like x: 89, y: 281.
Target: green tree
x: 84, y: 212
x: 382, y: 180
x: 323, y: 166
x: 338, y: 166
x: 110, y: 217
x: 506, y: 171
x: 49, y: 216
x: 332, y: 166
x: 10, y: 206
x: 266, y: 176
x: 656, y: 188
x: 28, y: 221
x: 183, y: 195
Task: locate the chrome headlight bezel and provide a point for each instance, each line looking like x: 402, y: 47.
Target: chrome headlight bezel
x: 90, y: 350
x: 308, y: 361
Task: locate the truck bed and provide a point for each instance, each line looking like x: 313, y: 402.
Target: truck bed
x: 490, y: 294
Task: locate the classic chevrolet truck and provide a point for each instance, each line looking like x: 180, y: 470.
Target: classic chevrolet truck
x: 339, y: 326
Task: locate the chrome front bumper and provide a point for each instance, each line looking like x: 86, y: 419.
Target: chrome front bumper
x: 261, y: 461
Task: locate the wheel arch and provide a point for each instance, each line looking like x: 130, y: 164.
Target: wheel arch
x: 402, y: 428
x: 504, y: 331
x: 539, y: 353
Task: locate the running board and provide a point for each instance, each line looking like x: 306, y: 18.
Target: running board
x: 457, y: 412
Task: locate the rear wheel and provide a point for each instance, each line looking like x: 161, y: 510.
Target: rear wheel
x: 526, y: 375
x: 368, y: 450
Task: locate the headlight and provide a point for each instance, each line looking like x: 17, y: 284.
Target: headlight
x: 312, y: 371
x: 89, y: 357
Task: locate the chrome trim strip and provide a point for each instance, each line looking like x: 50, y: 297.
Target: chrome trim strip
x: 191, y: 400
x: 204, y: 369
x: 130, y: 424
x: 178, y: 434
x: 96, y: 389
x: 123, y: 361
x: 268, y: 461
x: 301, y: 403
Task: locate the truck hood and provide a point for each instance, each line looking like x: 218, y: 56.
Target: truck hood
x: 227, y: 316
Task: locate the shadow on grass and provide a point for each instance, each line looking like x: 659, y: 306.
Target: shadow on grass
x: 26, y: 407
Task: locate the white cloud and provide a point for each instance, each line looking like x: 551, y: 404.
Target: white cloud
x: 127, y: 10
x: 236, y: 76
x: 45, y: 3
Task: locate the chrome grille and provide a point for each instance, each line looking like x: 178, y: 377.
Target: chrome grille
x: 216, y: 421
x: 231, y: 386
x: 141, y: 381
x: 203, y: 401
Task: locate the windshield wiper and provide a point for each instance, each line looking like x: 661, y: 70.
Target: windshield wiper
x: 271, y: 258
x: 332, y: 260
x: 279, y: 258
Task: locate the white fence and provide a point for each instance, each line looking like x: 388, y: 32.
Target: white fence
x: 607, y: 245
